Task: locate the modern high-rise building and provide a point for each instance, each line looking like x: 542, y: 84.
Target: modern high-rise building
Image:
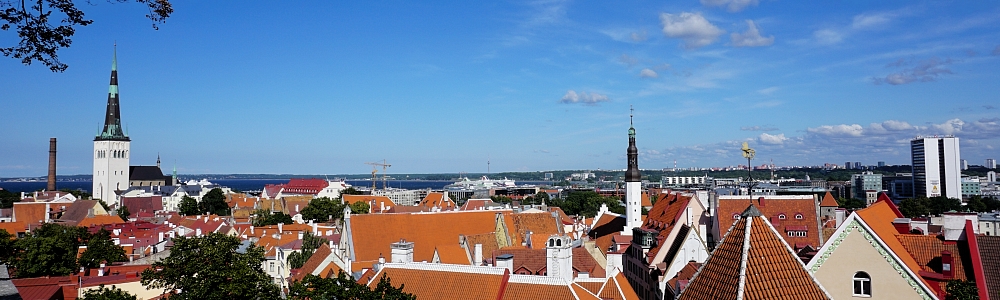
x: 881, y: 164
x: 857, y: 165
x: 866, y: 186
x: 847, y: 165
x: 991, y: 163
x: 111, y: 148
x: 936, y: 167
x: 965, y: 165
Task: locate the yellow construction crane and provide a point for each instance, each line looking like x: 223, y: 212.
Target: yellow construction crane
x: 384, y: 166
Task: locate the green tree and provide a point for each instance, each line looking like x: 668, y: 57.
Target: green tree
x: 992, y: 204
x: 123, y: 213
x: 962, y: 290
x: 211, y: 267
x: 214, y: 202
x: 851, y: 203
x: 349, y: 191
x: 50, y: 250
x: 587, y: 203
x: 42, y: 36
x: 6, y: 246
x: 103, y: 293
x: 940, y: 205
x: 264, y: 217
x: 501, y: 199
x: 7, y: 199
x: 100, y: 248
x: 360, y: 207
x: 323, y: 209
x: 977, y: 204
x: 310, y: 243
x: 78, y: 193
x: 189, y: 206
x: 343, y: 287
x: 915, y: 207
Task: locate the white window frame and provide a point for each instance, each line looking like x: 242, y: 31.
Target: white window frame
x: 863, y: 281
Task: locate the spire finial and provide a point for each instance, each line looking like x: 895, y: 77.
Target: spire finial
x: 114, y: 59
x: 631, y: 111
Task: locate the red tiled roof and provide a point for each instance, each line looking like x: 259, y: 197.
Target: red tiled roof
x: 435, y: 284
x: 142, y: 204
x: 664, y: 216
x: 30, y: 212
x: 989, y: 251
x: 313, y: 263
x: 436, y: 199
x: 771, y: 268
x: 605, y: 229
x: 879, y: 216
x: 772, y: 207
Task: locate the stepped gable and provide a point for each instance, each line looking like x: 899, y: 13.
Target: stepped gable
x: 753, y: 262
x: 828, y: 201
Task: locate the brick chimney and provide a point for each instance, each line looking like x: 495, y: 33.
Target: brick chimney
x: 51, y: 186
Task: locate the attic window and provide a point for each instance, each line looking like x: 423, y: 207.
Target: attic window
x: 862, y: 285
x: 736, y: 216
x: 798, y: 216
x: 781, y: 216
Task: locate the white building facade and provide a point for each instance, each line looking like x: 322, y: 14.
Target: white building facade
x: 936, y: 167
x: 111, y: 149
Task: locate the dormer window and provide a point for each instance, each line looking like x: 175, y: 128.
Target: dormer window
x: 862, y: 285
x: 798, y: 216
x: 736, y: 216
x: 781, y: 216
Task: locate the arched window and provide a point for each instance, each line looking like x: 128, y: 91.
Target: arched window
x: 559, y: 243
x: 862, y: 284
x: 781, y: 216
x: 552, y: 242
x: 736, y: 216
x: 798, y: 216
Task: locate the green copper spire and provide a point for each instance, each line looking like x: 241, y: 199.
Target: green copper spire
x: 114, y: 59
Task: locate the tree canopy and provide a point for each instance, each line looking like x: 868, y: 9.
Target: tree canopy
x: 310, y: 243
x: 42, y: 34
x: 50, y: 250
x: 7, y: 199
x: 105, y: 293
x: 343, y: 287
x: 587, y: 203
x: 212, y: 267
x: 851, y: 203
x: 100, y: 248
x: 189, y: 206
x: 264, y: 217
x: 360, y: 207
x: 323, y: 209
x: 214, y: 202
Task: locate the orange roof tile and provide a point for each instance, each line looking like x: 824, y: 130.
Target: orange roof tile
x: 605, y: 229
x: 373, y: 233
x: 453, y: 254
x: 517, y: 290
x: 100, y: 220
x: 14, y: 227
x: 828, y: 201
x: 488, y: 240
x: 442, y: 283
x: 879, y: 216
x: 926, y: 250
x: 754, y: 250
x: 645, y: 200
x: 374, y: 201
x: 618, y: 288
x: 436, y: 199
x: 30, y: 212
x: 314, y: 261
x: 664, y: 215
x: 773, y: 208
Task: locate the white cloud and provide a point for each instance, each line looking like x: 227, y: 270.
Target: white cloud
x: 750, y: 38
x: 769, y: 139
x: 638, y: 36
x: 759, y: 128
x: 648, y: 73
x: 628, y: 60
x: 865, y: 21
x: 828, y: 36
x: 626, y: 35
x: 925, y: 71
x: 767, y: 91
x: 572, y: 97
x: 837, y: 130
x: 692, y: 28
x: 731, y: 5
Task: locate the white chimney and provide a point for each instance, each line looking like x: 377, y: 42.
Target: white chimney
x: 402, y: 251
x: 505, y: 261
x: 315, y: 228
x: 559, y: 257
x: 300, y: 235
x: 478, y: 258
x: 197, y: 232
x: 281, y: 228
x: 159, y: 237
x: 251, y: 230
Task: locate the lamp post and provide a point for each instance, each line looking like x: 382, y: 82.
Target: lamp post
x: 749, y: 153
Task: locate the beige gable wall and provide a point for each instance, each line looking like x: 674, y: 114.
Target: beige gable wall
x: 855, y: 254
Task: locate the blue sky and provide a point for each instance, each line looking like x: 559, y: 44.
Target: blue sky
x: 321, y: 88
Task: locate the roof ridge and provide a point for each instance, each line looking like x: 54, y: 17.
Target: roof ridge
x: 797, y: 259
x: 741, y: 287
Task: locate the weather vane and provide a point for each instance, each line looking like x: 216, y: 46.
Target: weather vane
x: 749, y: 153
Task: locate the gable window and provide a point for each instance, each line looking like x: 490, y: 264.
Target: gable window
x: 862, y: 285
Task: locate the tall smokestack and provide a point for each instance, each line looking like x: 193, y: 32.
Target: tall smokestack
x: 52, y: 165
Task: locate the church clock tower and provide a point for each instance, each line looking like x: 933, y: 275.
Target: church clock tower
x: 633, y: 185
x: 111, y: 148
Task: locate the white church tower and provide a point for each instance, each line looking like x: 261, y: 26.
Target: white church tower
x: 633, y: 185
x: 111, y: 148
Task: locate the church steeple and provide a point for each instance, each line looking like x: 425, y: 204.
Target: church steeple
x: 112, y: 118
x: 632, y: 174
